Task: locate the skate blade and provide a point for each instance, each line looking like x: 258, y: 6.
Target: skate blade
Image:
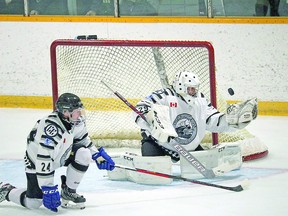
x: 72, y: 205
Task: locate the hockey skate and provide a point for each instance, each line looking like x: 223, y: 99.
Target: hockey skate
x: 4, y: 191
x: 70, y: 199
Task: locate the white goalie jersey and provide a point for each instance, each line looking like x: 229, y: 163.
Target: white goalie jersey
x: 189, y: 121
x: 49, y: 145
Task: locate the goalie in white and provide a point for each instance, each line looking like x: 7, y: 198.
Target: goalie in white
x: 183, y: 113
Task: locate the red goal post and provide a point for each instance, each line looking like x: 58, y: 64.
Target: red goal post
x: 134, y: 68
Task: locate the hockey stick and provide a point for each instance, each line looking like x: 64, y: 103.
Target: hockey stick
x: 237, y: 188
x: 207, y: 173
x: 159, y: 62
x: 125, y: 101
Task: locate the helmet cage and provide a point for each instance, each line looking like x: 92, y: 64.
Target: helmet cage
x: 182, y: 81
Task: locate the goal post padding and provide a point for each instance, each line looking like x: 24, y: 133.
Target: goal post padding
x: 134, y: 69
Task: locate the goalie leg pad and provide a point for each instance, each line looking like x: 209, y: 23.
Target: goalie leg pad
x: 220, y: 159
x: 118, y: 174
x: 161, y: 164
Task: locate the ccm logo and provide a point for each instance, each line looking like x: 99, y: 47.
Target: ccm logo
x: 50, y: 192
x: 128, y: 158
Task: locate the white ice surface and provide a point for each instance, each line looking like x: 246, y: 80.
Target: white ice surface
x: 266, y: 195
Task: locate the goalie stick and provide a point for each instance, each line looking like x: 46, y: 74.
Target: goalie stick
x: 207, y: 173
x: 237, y: 188
x: 125, y: 101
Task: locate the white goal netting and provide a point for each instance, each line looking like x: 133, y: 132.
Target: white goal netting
x: 134, y: 69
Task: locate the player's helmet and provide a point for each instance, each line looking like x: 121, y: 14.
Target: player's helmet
x: 182, y: 81
x: 69, y: 102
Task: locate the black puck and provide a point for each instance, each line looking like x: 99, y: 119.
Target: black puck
x: 231, y: 91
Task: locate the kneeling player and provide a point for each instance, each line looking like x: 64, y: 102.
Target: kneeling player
x: 59, y: 139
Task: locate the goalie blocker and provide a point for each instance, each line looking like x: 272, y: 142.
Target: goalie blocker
x: 160, y: 123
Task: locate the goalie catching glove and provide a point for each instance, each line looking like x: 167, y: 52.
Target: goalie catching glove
x: 103, y: 160
x: 241, y: 114
x: 161, y: 128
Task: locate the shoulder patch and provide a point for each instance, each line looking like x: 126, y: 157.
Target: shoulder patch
x: 48, y: 142
x: 51, y: 130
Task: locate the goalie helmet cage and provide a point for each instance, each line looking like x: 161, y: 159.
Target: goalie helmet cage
x: 135, y: 68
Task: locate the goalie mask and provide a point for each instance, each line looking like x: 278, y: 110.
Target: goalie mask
x: 71, y: 108
x: 187, y: 84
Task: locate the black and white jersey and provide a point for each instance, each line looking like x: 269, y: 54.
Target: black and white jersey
x: 189, y: 121
x: 49, y: 145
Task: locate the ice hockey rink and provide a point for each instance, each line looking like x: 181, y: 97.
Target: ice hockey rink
x: 267, y: 193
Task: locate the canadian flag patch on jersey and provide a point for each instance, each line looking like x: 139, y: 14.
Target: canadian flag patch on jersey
x: 173, y: 104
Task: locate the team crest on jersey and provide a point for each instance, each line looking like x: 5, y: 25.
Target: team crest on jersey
x: 51, y: 130
x: 186, y: 128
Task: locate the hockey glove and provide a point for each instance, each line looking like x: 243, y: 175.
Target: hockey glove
x: 51, y: 197
x: 161, y: 126
x: 103, y: 160
x: 241, y: 114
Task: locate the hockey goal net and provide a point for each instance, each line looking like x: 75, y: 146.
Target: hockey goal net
x: 135, y: 69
